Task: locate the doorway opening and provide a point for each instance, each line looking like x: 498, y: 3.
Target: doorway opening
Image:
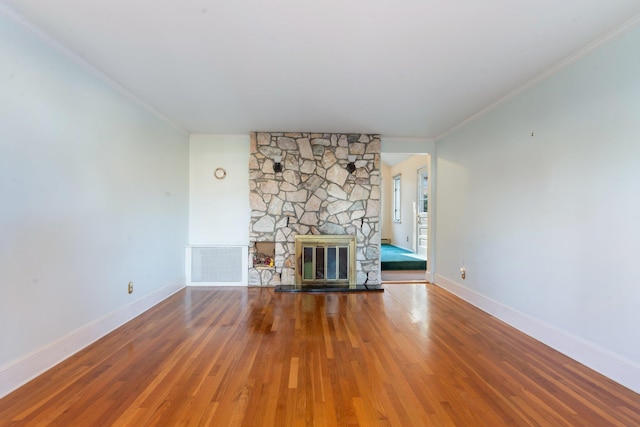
x: 405, y: 217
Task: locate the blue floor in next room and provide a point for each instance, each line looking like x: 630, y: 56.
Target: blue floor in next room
x: 395, y: 258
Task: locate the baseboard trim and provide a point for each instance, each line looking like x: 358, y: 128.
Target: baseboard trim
x: 19, y: 372
x: 611, y: 365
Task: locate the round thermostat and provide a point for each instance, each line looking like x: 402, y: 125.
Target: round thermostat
x: 220, y: 173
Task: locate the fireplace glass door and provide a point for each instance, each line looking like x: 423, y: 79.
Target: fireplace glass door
x: 325, y: 259
x: 325, y: 263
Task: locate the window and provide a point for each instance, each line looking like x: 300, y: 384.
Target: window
x: 423, y: 191
x: 396, y: 198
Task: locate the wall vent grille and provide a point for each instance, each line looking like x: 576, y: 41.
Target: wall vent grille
x: 217, y: 265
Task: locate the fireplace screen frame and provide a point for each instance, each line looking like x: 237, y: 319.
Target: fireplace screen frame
x: 317, y: 248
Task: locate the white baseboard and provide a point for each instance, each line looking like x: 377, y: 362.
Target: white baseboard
x: 19, y: 372
x: 609, y: 364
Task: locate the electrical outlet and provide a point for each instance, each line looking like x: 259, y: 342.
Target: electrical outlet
x: 407, y: 239
x: 463, y: 273
x: 130, y: 287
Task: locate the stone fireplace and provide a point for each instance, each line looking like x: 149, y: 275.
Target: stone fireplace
x: 314, y: 194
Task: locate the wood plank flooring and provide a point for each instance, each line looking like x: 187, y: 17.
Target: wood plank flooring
x: 412, y: 356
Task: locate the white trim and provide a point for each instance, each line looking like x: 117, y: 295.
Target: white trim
x: 431, y: 239
x: 219, y: 135
x: 601, y: 360
x: 23, y: 370
x: 419, y: 201
x: 396, y: 201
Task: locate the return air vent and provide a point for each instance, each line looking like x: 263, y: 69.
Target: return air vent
x: 216, y: 265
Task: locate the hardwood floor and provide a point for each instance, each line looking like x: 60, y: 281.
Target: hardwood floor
x: 413, y: 355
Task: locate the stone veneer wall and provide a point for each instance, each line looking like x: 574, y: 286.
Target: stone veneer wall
x: 314, y: 194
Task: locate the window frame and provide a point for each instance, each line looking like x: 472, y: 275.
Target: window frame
x: 423, y: 191
x: 396, y: 206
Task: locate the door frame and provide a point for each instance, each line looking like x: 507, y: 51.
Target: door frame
x: 393, y: 145
x: 419, y: 173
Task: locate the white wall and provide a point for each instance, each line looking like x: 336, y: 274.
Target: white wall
x: 407, y: 145
x: 219, y: 210
x: 547, y: 224
x: 94, y: 194
x: 386, y: 200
